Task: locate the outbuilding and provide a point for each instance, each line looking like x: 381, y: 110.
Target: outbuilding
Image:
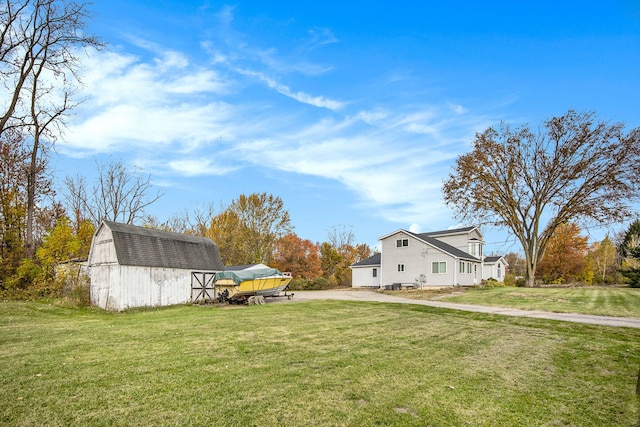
x: 133, y: 266
x: 366, y: 273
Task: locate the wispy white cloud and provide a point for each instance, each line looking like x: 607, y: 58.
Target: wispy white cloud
x: 183, y: 119
x: 320, y: 37
x: 316, y: 101
x: 387, y: 167
x: 135, y: 104
x: 199, y: 167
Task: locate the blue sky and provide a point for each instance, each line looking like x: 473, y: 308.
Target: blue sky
x: 352, y: 112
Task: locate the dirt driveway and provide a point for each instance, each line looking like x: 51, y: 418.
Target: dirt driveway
x: 367, y: 295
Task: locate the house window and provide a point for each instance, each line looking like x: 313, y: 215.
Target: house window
x: 375, y: 272
x: 439, y: 267
x: 468, y: 268
x: 499, y: 271
x: 461, y: 267
x: 475, y: 249
x: 402, y: 242
x: 400, y: 267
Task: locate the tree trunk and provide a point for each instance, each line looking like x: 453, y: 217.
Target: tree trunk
x: 530, y: 275
x: 31, y: 196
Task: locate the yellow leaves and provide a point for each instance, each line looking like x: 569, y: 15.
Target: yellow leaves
x: 63, y: 243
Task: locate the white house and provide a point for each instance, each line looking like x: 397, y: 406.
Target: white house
x: 134, y: 266
x: 440, y: 258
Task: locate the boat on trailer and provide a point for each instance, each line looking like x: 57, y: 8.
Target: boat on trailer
x: 239, y: 286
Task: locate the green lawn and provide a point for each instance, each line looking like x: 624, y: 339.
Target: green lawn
x: 311, y: 363
x: 606, y: 301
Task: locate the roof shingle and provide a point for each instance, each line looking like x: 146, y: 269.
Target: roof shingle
x: 147, y: 247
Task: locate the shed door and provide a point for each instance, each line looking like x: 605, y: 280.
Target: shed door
x: 202, y: 288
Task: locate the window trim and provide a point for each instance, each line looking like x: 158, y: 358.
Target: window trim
x: 439, y: 264
x: 402, y: 243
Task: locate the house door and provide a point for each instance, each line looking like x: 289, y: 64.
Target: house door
x: 475, y: 274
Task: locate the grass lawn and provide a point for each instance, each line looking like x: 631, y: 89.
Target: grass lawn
x: 311, y: 363
x: 605, y: 301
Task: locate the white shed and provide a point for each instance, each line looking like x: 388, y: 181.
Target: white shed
x: 134, y: 266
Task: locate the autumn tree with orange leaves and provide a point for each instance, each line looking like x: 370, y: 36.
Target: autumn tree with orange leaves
x: 565, y: 258
x: 297, y: 256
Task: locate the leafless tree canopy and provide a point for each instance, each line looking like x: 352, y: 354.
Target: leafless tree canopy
x: 574, y: 167
x: 341, y: 236
x: 118, y: 194
x: 39, y: 42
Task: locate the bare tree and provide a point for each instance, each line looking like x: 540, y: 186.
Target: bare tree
x: 341, y: 237
x: 119, y: 194
x: 195, y: 222
x: 39, y: 63
x: 574, y: 168
x: 76, y: 199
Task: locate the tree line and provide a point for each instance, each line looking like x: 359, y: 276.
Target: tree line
x: 570, y: 259
x: 252, y: 229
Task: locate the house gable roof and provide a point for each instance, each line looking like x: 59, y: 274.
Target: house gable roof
x: 445, y: 247
x: 431, y: 238
x: 373, y: 260
x: 492, y: 259
x: 146, y: 247
x: 463, y: 230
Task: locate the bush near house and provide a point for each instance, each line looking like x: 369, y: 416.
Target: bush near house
x: 316, y: 284
x: 491, y: 283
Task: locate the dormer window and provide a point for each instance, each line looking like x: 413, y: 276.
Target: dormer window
x: 475, y: 248
x: 402, y: 243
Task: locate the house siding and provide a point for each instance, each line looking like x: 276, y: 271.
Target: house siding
x: 417, y: 259
x: 491, y: 270
x: 362, y: 277
x: 460, y: 241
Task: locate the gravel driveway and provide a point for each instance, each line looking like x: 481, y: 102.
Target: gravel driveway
x: 367, y: 295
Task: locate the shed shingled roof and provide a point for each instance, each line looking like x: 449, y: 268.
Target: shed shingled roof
x: 375, y: 259
x: 147, y: 247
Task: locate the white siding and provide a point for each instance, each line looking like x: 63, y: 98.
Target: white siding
x: 468, y: 279
x: 461, y: 241
x: 417, y: 259
x: 116, y: 287
x: 491, y: 270
x: 103, y: 250
x: 363, y: 276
